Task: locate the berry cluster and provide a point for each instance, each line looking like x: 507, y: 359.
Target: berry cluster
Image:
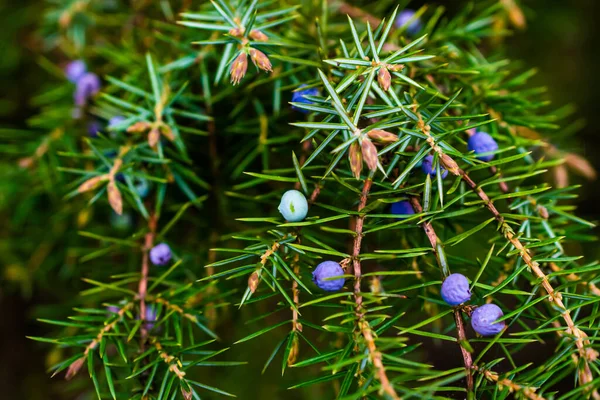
x: 455, y: 291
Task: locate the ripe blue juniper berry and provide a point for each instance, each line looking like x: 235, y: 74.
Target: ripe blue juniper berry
x: 75, y: 70
x: 115, y: 121
x: 325, y: 270
x: 93, y: 128
x: 404, y: 17
x: 299, y: 97
x: 402, y: 208
x: 160, y: 254
x: 482, y: 142
x: 293, y: 206
x: 87, y: 86
x: 150, y: 318
x: 483, y: 318
x: 455, y: 289
x: 142, y: 186
x: 428, y: 168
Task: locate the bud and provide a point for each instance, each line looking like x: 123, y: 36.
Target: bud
x: 139, y: 127
x: 543, y: 211
x: 253, y: 281
x: 167, y: 132
x: 294, y: 350
x: 237, y: 32
x: 381, y: 136
x: 238, y: 68
x: 355, y: 156
x: 153, y: 136
x: 384, y: 78
x: 369, y: 153
x: 258, y: 36
x: 261, y: 60
x: 74, y: 368
x: 114, y: 197
x: 450, y: 164
x: 91, y: 183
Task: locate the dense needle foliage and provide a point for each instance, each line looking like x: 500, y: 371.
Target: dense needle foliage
x: 207, y: 141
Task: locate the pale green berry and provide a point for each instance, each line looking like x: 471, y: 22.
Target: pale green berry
x: 293, y: 206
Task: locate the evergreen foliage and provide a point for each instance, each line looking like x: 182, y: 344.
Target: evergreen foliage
x: 199, y: 150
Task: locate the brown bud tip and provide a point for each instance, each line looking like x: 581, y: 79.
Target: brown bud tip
x: 261, y: 60
x: 25, y: 162
x: 253, y: 281
x: 384, y: 78
x: 294, y: 350
x: 369, y: 153
x: 381, y: 136
x: 543, y: 211
x: 238, y: 68
x: 139, y: 127
x: 91, y: 183
x: 355, y: 155
x: 450, y: 164
x: 258, y: 36
x: 153, y: 136
x: 114, y: 197
x: 187, y: 395
x: 167, y: 132
x: 237, y: 32
x: 74, y: 368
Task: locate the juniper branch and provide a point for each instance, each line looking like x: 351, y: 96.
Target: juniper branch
x: 363, y: 325
x: 438, y: 250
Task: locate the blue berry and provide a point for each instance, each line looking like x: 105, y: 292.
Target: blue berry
x: 482, y: 320
x: 482, y: 142
x: 150, y: 318
x: 87, y: 86
x: 325, y: 270
x: 402, y: 208
x: 455, y: 289
x: 142, y: 186
x: 160, y: 254
x: 428, y: 167
x: 402, y: 19
x: 298, y: 97
x: 293, y: 206
x: 75, y: 70
x: 94, y: 128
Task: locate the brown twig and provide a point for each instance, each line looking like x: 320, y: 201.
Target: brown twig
x: 77, y: 364
x: 526, y: 391
x: 460, y: 327
x: 555, y: 297
x: 356, y: 12
x: 143, y: 284
x: 362, y: 324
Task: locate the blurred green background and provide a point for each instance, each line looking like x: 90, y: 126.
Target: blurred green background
x: 561, y: 40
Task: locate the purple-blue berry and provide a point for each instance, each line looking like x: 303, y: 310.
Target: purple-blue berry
x: 482, y: 142
x: 325, y: 270
x: 142, y: 186
x: 75, y: 70
x: 115, y: 121
x: 160, y: 254
x: 150, y: 317
x: 93, y: 128
x: 402, y: 208
x: 428, y: 167
x: 293, y: 206
x: 455, y: 289
x: 483, y: 318
x: 87, y: 86
x: 403, y: 19
x: 299, y: 97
